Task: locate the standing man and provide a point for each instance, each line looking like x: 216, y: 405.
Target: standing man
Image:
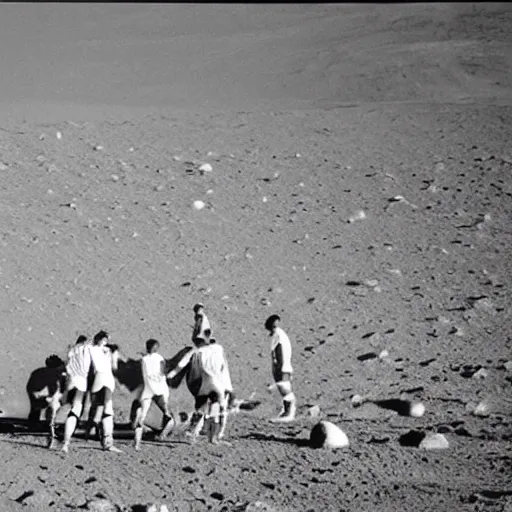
x: 77, y: 369
x: 104, y: 362
x: 281, y: 352
x: 201, y: 322
x: 208, y: 380
x: 154, y: 388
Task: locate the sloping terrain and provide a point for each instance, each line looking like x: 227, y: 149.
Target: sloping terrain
x: 308, y: 115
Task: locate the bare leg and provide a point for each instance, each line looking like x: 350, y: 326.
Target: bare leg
x: 140, y: 416
x: 72, y: 419
x: 53, y: 407
x: 285, y: 389
x: 168, y: 420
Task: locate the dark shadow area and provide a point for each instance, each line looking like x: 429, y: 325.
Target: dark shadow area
x: 258, y: 436
x: 402, y: 407
x: 412, y: 438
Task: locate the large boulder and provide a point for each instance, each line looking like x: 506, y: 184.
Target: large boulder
x: 327, y: 435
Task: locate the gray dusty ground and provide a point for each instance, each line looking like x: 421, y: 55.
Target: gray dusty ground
x: 308, y: 116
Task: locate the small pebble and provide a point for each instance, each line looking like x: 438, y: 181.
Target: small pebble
x: 359, y: 215
x: 205, y: 168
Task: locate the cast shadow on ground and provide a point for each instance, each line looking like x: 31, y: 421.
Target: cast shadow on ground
x: 258, y: 436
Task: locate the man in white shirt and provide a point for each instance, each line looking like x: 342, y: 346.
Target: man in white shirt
x: 281, y: 352
x: 77, y: 370
x: 104, y: 362
x: 209, y: 382
x: 154, y: 388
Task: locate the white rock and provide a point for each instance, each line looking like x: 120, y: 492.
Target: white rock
x: 357, y: 400
x: 434, y: 442
x: 59, y: 135
x: 359, y: 215
x: 114, y: 177
x: 101, y: 505
x: 384, y: 354
x: 3, y: 167
x: 314, y: 411
x: 508, y: 366
x: 205, y: 168
x: 482, y: 410
x: 480, y: 374
x: 327, y: 435
x: 199, y: 205
x: 417, y: 410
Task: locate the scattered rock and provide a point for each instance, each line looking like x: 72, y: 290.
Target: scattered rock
x: 358, y: 400
x: 327, y: 435
x: 199, y: 205
x: 480, y: 374
x: 434, y: 442
x: 314, y: 411
x: 58, y: 135
x: 359, y: 215
x: 205, y: 168
x: 481, y: 410
x: 150, y: 507
x: 3, y: 167
x: 508, y: 366
x: 384, y: 354
x: 101, y: 505
x: 367, y: 356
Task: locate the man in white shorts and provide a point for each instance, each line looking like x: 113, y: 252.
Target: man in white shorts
x: 209, y: 381
x: 103, y: 363
x: 154, y: 388
x: 281, y: 352
x: 77, y: 370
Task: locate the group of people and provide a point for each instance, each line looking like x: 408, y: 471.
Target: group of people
x: 90, y: 369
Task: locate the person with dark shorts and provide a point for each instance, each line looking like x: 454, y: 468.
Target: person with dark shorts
x: 281, y: 354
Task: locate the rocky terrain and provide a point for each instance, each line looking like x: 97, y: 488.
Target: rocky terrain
x: 358, y: 185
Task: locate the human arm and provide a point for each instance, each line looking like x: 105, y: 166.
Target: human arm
x: 181, y: 364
